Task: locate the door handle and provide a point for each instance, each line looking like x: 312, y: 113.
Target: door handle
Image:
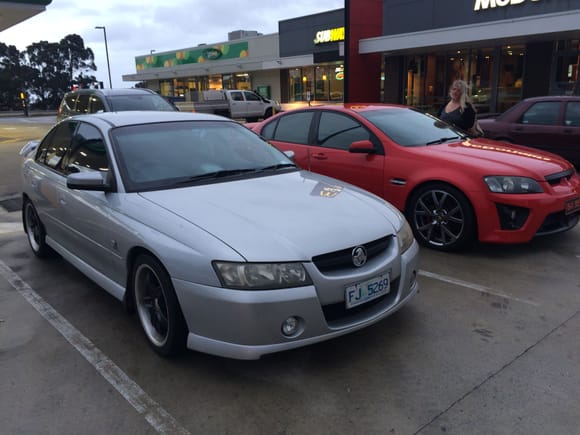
x: 319, y: 156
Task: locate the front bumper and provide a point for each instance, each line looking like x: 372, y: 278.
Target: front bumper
x: 247, y: 324
x: 544, y: 214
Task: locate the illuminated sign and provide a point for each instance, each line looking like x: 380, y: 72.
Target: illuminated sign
x: 491, y: 4
x: 332, y: 35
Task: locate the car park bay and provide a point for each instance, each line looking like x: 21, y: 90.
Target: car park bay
x: 489, y: 345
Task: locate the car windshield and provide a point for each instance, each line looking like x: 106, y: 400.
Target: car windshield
x: 176, y: 154
x: 120, y: 103
x: 409, y: 127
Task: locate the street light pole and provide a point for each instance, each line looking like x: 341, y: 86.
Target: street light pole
x: 106, y: 51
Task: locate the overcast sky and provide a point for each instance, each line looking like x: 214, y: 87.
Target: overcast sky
x: 135, y: 27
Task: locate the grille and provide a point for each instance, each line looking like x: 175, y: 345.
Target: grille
x: 558, y: 222
x: 343, y: 259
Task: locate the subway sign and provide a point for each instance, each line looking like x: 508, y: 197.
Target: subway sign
x: 491, y: 4
x: 331, y: 35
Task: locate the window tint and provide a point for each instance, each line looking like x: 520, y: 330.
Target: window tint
x: 83, y: 104
x: 339, y: 131
x: 542, y: 113
x: 68, y: 102
x: 96, y: 104
x: 135, y: 101
x: 236, y: 96
x: 87, y: 152
x: 55, y: 146
x: 268, y: 130
x: 294, y: 127
x: 250, y: 96
x: 572, y: 117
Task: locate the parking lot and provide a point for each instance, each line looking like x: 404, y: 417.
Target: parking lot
x: 488, y: 346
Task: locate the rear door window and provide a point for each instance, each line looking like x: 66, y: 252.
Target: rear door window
x: 56, y: 145
x: 294, y: 128
x: 572, y: 117
x: 83, y: 104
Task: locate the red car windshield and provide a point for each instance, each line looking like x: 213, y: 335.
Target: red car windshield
x: 409, y: 127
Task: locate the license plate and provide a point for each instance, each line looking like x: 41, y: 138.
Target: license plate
x: 360, y: 293
x: 572, y: 206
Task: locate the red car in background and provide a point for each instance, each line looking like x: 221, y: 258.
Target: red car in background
x: 548, y: 123
x: 453, y: 189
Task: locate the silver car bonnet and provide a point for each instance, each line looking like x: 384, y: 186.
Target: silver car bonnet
x: 286, y: 217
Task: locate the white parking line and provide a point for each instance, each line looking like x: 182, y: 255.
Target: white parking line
x: 155, y: 415
x: 10, y: 227
x: 472, y: 286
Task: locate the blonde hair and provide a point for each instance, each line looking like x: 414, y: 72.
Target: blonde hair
x: 464, y: 99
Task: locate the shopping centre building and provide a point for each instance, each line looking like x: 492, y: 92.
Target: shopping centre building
x: 392, y: 51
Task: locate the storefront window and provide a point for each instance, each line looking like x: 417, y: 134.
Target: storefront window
x: 568, y: 64
x: 243, y: 82
x: 429, y: 76
x: 511, y: 71
x: 166, y: 88
x: 301, y: 80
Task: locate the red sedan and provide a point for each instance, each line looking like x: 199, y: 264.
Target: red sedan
x: 548, y: 123
x: 453, y: 189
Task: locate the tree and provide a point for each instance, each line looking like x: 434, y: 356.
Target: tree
x: 13, y: 77
x: 55, y: 65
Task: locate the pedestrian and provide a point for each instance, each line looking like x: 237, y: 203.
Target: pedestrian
x: 459, y: 110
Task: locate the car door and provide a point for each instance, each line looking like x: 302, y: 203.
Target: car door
x: 291, y: 132
x: 93, y: 231
x: 254, y: 105
x: 237, y: 105
x: 47, y: 180
x: 330, y: 154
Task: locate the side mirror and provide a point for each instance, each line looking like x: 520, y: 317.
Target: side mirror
x: 362, y: 147
x: 92, y: 180
x: 291, y: 155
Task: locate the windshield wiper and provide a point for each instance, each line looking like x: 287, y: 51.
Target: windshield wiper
x: 278, y: 166
x: 216, y: 174
x: 443, y: 139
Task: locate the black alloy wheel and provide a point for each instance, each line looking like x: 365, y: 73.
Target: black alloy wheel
x: 157, y: 307
x: 441, y: 217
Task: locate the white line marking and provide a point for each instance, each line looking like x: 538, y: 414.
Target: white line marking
x: 11, y: 227
x: 155, y: 415
x: 476, y: 287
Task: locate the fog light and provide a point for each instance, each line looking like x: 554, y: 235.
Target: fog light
x: 290, y: 326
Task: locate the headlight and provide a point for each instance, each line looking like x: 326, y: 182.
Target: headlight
x: 261, y: 276
x: 405, y: 237
x: 503, y: 184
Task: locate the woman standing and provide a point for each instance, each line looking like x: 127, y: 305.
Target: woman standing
x: 459, y: 111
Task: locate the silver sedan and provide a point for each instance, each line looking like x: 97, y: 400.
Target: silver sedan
x: 215, y: 238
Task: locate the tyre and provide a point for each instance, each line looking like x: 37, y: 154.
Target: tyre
x: 35, y: 231
x: 441, y: 217
x: 268, y: 113
x: 157, y: 307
